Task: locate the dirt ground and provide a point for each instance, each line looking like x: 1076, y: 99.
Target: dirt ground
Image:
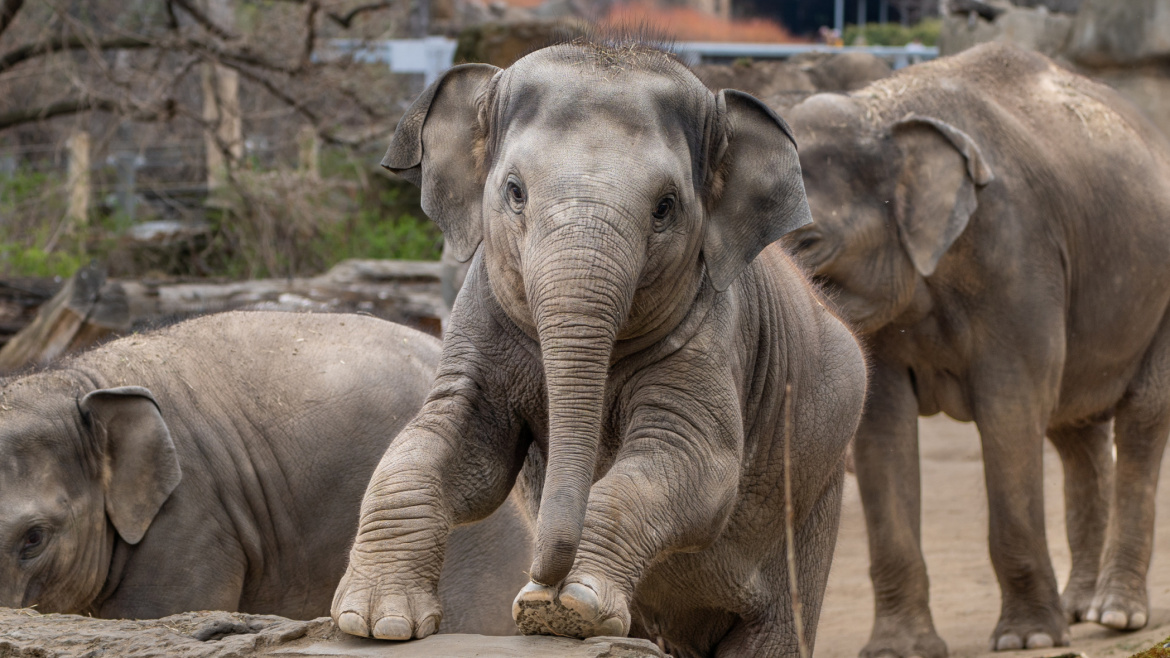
x: 964, y: 592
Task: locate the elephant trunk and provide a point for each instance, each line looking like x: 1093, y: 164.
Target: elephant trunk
x: 578, y: 312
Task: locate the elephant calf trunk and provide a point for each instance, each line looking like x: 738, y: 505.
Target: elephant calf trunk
x: 576, y: 368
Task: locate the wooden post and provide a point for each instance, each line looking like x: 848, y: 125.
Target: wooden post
x: 221, y: 108
x: 308, y: 152
x: 77, y: 181
x: 221, y: 111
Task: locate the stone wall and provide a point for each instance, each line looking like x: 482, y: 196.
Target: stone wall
x: 1123, y: 43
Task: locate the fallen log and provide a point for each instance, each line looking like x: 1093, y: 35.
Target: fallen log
x: 19, y: 300
x: 402, y: 291
x: 89, y: 308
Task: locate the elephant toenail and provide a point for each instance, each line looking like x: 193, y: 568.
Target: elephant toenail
x: 1137, y: 620
x: 1092, y: 615
x: 581, y: 600
x: 352, y: 623
x: 613, y: 627
x: 392, y: 628
x: 1114, y: 619
x: 1039, y: 641
x: 532, y: 593
x: 1009, y: 642
x: 427, y: 627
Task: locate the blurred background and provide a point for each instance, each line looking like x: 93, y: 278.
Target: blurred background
x: 195, y: 142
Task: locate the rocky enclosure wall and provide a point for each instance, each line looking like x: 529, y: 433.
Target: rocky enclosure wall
x: 1123, y: 43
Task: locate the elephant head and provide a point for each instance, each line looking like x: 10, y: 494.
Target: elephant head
x: 607, y: 186
x: 888, y: 202
x: 74, y: 470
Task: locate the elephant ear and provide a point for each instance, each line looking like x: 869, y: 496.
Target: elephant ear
x: 935, y: 196
x: 757, y: 194
x: 143, y: 466
x: 438, y: 146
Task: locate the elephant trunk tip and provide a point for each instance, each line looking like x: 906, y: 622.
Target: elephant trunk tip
x: 553, y: 562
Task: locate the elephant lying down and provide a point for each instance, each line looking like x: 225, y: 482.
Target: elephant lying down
x: 220, y: 464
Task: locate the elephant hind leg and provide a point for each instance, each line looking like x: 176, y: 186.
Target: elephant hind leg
x: 1086, y: 453
x: 771, y: 631
x: 1141, y: 428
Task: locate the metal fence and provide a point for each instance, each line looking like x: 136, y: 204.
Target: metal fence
x: 433, y: 55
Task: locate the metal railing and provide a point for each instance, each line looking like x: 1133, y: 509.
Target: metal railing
x: 698, y: 52
x: 433, y: 55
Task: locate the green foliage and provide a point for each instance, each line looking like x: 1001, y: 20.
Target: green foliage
x: 373, y: 233
x: 23, y: 241
x: 274, y: 223
x: 33, y: 261
x: 893, y: 34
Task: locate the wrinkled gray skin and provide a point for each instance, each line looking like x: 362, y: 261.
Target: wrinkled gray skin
x: 997, y: 229
x: 219, y: 465
x: 628, y: 371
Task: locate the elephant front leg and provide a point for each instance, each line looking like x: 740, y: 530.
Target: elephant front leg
x: 669, y: 490
x: 1011, y: 413
x: 886, y: 461
x: 448, y: 467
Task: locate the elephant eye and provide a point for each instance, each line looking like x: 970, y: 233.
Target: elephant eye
x: 808, y: 242
x: 663, y: 211
x: 515, y: 194
x: 33, y: 542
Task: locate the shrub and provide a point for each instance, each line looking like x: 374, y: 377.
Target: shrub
x: 894, y: 34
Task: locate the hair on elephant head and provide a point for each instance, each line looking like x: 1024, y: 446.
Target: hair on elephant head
x: 888, y: 200
x: 605, y: 195
x: 105, y: 460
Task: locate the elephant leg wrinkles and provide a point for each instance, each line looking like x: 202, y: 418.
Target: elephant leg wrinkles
x: 1141, y: 428
x: 629, y: 524
x: 886, y: 458
x: 451, y: 465
x: 1087, y: 458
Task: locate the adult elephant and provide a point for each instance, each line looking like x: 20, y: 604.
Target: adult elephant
x: 625, y: 346
x: 997, y: 229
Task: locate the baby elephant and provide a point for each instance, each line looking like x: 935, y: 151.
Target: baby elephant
x: 218, y: 465
x: 999, y: 229
x: 619, y: 348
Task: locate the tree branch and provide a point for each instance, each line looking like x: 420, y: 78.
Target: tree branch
x: 205, y: 21
x: 8, y: 11
x: 29, y: 51
x: 310, y: 34
x: 345, y: 20
x: 30, y: 115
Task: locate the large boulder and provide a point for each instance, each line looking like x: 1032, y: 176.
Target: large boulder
x: 1121, y: 32
x: 1123, y: 43
x: 784, y: 83
x: 1032, y: 28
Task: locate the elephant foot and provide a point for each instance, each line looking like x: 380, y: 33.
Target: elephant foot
x: 370, y: 608
x: 1041, y: 630
x: 1077, y: 598
x: 1119, y: 604
x: 891, y: 639
x: 576, y: 610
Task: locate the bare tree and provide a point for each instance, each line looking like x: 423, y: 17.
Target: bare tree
x: 141, y: 61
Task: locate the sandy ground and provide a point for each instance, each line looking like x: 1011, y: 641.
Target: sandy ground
x: 964, y: 592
